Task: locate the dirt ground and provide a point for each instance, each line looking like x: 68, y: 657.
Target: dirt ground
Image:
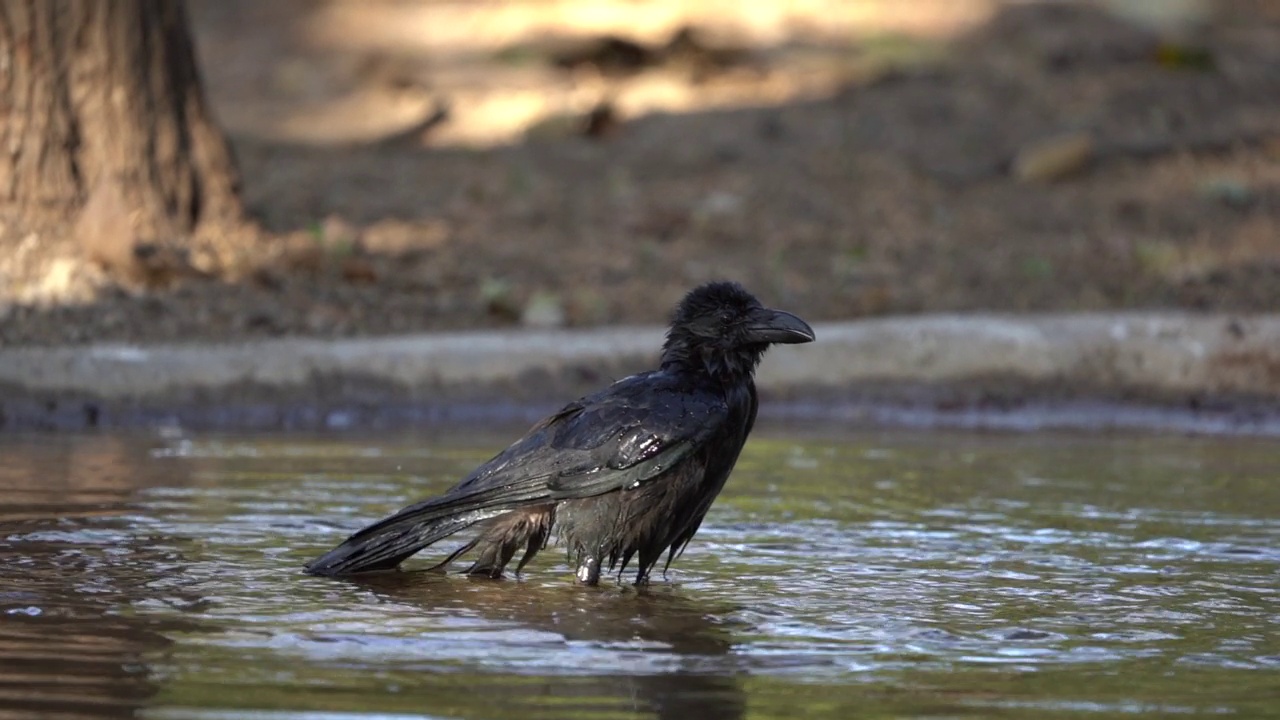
x: 429, y: 165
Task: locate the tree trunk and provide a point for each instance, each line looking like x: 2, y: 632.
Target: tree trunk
x: 105, y: 136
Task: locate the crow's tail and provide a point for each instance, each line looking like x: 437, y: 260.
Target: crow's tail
x: 389, y: 542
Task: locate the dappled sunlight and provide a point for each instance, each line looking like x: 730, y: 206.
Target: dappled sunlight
x: 460, y: 27
x: 431, y: 166
x: 362, y: 72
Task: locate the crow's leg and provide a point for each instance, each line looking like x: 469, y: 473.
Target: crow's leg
x: 588, y: 572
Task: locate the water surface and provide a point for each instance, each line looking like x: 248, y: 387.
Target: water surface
x: 895, y: 575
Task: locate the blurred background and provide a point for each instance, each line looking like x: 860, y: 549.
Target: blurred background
x: 416, y: 165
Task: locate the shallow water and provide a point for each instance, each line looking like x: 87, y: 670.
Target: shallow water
x: 903, y: 575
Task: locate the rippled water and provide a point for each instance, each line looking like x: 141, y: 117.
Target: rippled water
x: 903, y: 575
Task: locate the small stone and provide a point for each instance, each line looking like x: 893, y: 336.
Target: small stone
x: 720, y: 204
x: 338, y: 236
x: 498, y: 298
x: 1229, y: 192
x: 1055, y: 158
x: 400, y: 238
x: 544, y: 310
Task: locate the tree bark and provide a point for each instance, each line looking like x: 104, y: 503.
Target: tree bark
x: 104, y: 129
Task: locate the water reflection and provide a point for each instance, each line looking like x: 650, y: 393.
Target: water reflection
x: 682, y: 646
x: 70, y: 569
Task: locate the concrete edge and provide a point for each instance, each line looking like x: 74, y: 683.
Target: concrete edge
x: 1172, y: 360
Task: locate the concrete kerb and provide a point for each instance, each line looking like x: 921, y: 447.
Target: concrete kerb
x: 944, y: 363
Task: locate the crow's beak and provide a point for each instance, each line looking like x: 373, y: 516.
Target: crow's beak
x: 777, y: 326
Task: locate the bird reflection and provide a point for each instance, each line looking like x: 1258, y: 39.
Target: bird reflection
x: 701, y: 679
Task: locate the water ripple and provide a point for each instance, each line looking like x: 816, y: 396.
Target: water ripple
x: 994, y: 573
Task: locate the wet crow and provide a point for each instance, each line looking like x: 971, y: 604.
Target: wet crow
x: 628, y: 471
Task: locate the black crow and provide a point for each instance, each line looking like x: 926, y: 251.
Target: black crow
x: 630, y: 470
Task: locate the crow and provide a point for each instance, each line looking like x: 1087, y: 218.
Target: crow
x: 630, y: 470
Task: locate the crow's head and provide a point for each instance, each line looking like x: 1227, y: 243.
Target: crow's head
x: 722, y: 328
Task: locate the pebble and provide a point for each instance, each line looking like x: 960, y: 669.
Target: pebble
x: 1055, y: 158
x: 544, y: 310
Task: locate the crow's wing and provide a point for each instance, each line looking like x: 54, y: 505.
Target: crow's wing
x: 628, y: 434
x: 624, y: 436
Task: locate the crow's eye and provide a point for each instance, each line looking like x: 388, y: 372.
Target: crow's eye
x: 726, y: 317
